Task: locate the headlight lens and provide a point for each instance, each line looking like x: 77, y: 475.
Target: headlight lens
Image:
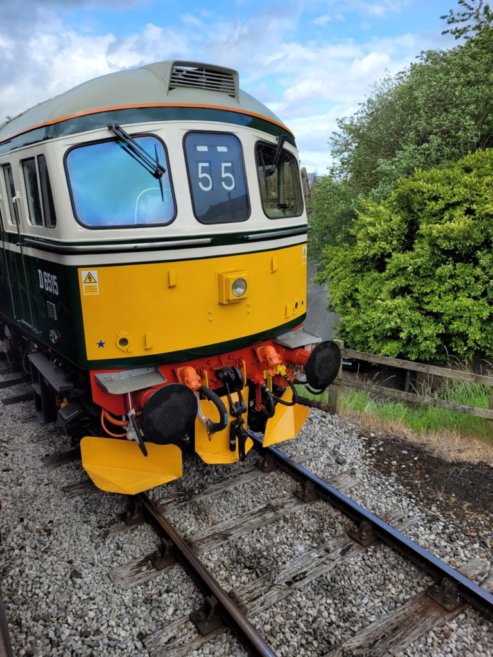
x: 239, y: 287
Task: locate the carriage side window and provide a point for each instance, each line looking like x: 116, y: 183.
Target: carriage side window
x: 217, y: 177
x: 110, y: 188
x: 279, y: 181
x: 46, y: 195
x: 38, y: 192
x: 10, y: 187
x: 32, y: 191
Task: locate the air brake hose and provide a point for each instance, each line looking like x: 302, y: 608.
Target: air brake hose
x: 295, y: 395
x: 314, y: 391
x: 209, y: 394
x: 138, y: 434
x: 269, y: 403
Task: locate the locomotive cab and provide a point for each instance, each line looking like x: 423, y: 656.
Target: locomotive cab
x: 155, y: 255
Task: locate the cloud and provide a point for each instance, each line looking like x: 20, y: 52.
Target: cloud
x: 365, y: 8
x: 46, y: 65
x: 18, y: 17
x: 382, y: 8
x: 152, y: 43
x: 308, y: 76
x: 308, y: 83
x: 327, y: 18
x: 249, y: 44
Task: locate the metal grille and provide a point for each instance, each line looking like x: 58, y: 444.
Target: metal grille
x: 201, y: 77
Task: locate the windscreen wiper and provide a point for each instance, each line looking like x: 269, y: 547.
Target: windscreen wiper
x: 135, y: 150
x: 277, y: 155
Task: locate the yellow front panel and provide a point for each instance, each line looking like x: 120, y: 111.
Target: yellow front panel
x: 153, y: 308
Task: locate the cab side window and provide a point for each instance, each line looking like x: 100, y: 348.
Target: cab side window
x: 279, y: 181
x: 38, y: 192
x: 10, y: 188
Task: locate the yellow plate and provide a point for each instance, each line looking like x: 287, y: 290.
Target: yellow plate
x: 216, y: 449
x: 287, y: 421
x: 118, y: 466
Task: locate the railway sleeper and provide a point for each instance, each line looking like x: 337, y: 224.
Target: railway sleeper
x: 364, y: 533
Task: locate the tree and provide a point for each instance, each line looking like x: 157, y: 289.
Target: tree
x: 437, y: 111
x: 332, y: 211
x: 475, y: 17
x: 417, y: 281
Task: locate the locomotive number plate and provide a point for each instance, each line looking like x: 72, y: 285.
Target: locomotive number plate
x: 48, y: 282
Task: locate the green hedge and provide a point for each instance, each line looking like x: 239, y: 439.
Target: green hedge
x: 418, y: 280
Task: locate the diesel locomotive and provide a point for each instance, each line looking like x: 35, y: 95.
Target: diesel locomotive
x: 153, y: 270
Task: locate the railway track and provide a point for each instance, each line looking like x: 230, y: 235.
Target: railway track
x: 443, y: 600
x: 5, y: 646
x: 264, y: 554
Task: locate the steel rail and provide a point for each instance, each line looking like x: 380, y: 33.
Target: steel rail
x: 469, y: 591
x: 229, y: 611
x: 5, y: 646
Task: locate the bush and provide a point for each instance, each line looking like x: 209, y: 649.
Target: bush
x: 332, y: 211
x: 417, y: 282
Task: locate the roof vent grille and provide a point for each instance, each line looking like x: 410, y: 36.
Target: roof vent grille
x: 200, y: 76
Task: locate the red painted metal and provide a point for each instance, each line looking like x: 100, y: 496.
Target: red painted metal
x: 256, y: 360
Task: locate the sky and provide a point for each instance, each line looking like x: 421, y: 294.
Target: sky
x: 310, y: 61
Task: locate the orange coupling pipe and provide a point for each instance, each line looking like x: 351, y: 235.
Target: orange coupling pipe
x: 189, y: 376
x: 270, y: 356
x: 297, y: 356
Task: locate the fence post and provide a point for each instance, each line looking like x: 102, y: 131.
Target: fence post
x: 490, y: 422
x: 333, y: 396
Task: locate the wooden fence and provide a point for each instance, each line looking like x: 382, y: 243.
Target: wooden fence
x: 348, y: 381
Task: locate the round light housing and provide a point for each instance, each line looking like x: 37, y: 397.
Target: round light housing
x: 239, y: 287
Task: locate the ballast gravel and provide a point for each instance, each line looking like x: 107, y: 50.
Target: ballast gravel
x: 58, y: 548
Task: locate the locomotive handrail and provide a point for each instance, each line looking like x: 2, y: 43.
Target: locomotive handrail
x: 116, y: 246
x: 149, y: 245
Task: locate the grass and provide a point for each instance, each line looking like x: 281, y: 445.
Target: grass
x: 427, y: 419
x: 439, y: 428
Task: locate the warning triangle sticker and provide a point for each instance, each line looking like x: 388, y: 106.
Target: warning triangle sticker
x: 89, y: 278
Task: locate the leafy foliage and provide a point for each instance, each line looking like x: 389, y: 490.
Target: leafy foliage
x: 402, y: 228
x: 474, y: 17
x: 417, y: 282
x: 438, y: 111
x: 334, y: 199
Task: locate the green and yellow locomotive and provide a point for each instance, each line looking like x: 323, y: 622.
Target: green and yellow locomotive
x: 153, y: 270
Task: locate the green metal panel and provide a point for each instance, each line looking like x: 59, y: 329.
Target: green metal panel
x: 139, y: 115
x: 55, y: 303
